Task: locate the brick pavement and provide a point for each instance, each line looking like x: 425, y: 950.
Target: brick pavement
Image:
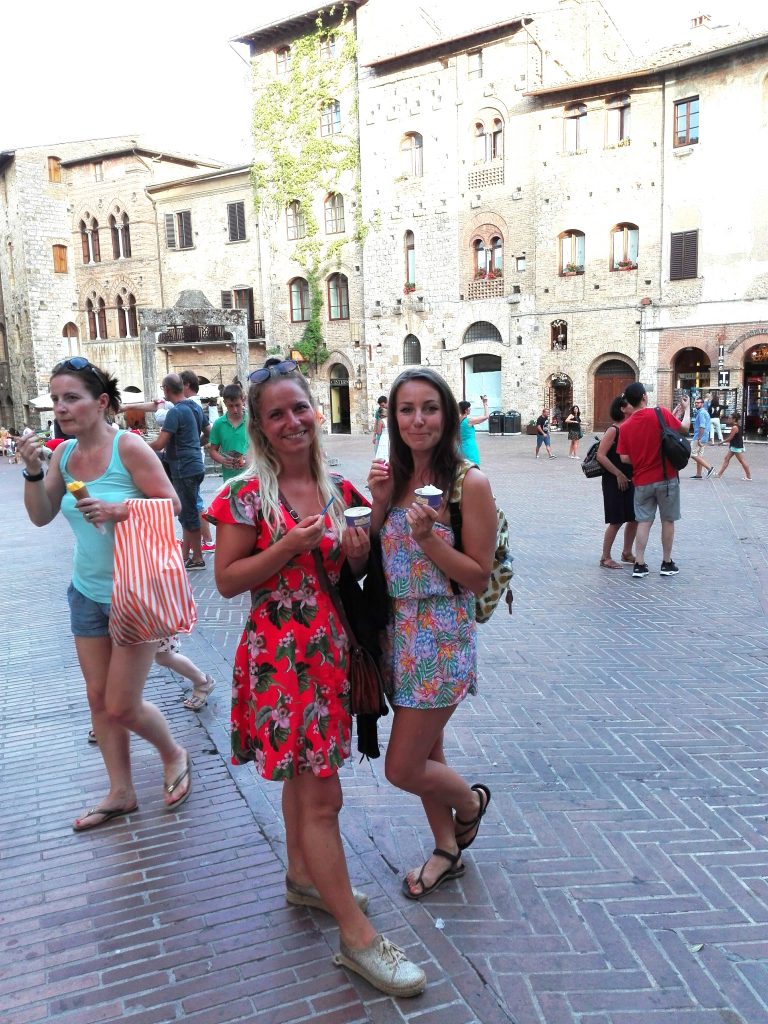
x: 619, y: 877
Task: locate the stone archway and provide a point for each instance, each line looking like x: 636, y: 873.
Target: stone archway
x: 609, y: 380
x: 339, y: 385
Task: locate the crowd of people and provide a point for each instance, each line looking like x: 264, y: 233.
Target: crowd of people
x: 282, y: 536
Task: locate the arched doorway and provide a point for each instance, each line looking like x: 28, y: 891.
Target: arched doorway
x: 691, y: 370
x: 611, y: 377
x: 756, y: 392
x: 340, y: 420
x: 482, y: 372
x: 559, y: 398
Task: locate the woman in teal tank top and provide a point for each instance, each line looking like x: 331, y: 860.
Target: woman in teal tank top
x: 113, y: 466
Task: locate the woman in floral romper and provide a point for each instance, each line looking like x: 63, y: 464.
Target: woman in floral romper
x: 290, y: 707
x: 431, y: 643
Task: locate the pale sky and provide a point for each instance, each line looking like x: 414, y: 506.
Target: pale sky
x: 165, y: 70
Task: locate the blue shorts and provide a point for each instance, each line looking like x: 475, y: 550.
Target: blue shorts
x: 736, y: 451
x: 542, y: 439
x: 188, y: 490
x: 87, y: 617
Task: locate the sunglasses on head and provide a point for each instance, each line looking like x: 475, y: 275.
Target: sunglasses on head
x: 80, y: 363
x: 278, y: 370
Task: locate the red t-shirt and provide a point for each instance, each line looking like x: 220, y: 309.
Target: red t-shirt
x: 640, y: 439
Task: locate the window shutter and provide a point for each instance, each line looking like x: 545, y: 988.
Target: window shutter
x: 185, y: 229
x: 170, y: 231
x: 126, y: 238
x: 115, y: 238
x: 84, y: 240
x: 684, y: 255
x: 226, y: 300
x: 236, y: 219
x: 95, y: 243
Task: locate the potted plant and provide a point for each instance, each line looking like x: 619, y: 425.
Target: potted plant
x: 531, y: 427
x: 626, y: 265
x: 573, y: 268
x: 409, y: 287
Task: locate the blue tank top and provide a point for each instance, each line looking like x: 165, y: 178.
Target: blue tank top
x: 94, y: 552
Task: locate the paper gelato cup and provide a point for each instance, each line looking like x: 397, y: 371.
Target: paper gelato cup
x: 429, y: 495
x: 358, y: 516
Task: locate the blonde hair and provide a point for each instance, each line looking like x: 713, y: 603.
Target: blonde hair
x: 265, y: 465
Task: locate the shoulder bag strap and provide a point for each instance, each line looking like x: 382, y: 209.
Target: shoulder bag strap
x: 662, y: 425
x: 322, y: 575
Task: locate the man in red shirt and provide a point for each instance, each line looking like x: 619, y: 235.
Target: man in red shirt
x: 657, y: 485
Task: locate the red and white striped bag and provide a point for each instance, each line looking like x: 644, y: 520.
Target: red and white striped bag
x: 151, y: 594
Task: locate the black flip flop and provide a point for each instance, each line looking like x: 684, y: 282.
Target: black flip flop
x: 107, y: 814
x: 450, y: 872
x: 173, y: 786
x: 475, y: 823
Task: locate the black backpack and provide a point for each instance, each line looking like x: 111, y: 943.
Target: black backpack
x: 675, y: 448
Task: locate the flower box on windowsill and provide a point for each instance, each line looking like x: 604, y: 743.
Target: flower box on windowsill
x: 572, y: 270
x: 625, y: 266
x: 408, y: 288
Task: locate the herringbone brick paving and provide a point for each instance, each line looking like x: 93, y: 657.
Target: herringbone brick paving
x: 620, y: 876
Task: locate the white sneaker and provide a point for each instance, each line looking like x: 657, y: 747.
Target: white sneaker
x: 385, y: 966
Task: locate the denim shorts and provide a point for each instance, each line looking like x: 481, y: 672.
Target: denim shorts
x: 87, y: 617
x: 664, y: 496
x: 542, y: 439
x: 188, y: 490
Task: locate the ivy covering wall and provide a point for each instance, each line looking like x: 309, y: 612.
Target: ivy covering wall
x: 294, y: 162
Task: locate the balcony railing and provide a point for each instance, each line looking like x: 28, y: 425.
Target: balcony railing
x: 486, y: 289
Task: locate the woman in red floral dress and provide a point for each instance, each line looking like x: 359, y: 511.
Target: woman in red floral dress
x: 290, y: 701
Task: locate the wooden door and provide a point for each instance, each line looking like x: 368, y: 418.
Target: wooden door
x: 606, y: 389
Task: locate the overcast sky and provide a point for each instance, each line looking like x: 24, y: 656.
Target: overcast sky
x: 165, y: 70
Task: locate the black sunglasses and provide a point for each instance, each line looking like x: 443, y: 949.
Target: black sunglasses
x: 80, y: 363
x: 278, y: 370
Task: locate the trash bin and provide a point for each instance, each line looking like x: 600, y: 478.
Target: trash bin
x: 496, y: 423
x: 512, y: 422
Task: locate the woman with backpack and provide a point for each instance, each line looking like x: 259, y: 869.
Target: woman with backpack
x: 618, y: 492
x: 430, y: 652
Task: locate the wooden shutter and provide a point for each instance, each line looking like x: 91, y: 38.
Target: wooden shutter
x: 236, y: 220
x: 170, y: 231
x: 60, y: 259
x: 84, y: 241
x: 115, y: 238
x: 95, y: 243
x: 126, y: 237
x: 684, y: 255
x: 244, y: 300
x: 185, y: 229
x: 226, y: 300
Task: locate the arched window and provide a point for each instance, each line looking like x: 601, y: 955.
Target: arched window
x: 617, y: 120
x: 283, y: 60
x: 411, y: 351
x: 101, y: 318
x: 338, y: 297
x: 411, y: 155
x: 330, y: 118
x: 89, y: 238
x: 334, y: 213
x: 91, y: 317
x: 122, y: 320
x: 488, y: 253
x: 133, y: 320
x: 72, y: 334
x: 558, y: 335
x: 624, y: 246
x: 300, y: 308
x: 410, y: 258
x: 483, y: 331
x: 121, y: 235
x: 572, y: 252
x: 489, y: 140
x: 575, y: 125
x: 295, y: 220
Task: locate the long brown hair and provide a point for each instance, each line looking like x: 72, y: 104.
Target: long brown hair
x: 445, y: 459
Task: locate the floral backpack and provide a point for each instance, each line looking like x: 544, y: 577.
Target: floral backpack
x: 501, y: 570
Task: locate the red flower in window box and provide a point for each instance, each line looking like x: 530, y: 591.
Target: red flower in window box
x: 408, y: 288
x: 626, y: 265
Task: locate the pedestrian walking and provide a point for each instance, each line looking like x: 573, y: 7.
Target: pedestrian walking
x: 701, y: 425
x: 112, y: 466
x: 573, y: 422
x: 715, y: 410
x: 467, y: 439
x: 180, y: 438
x: 618, y: 491
x: 430, y: 658
x: 656, y: 483
x: 543, y: 434
x: 290, y: 712
x: 735, y: 442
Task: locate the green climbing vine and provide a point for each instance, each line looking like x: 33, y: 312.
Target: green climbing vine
x: 295, y: 162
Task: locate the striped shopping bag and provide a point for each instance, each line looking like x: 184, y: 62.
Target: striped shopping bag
x: 151, y: 594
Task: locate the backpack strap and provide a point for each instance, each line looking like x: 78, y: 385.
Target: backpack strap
x: 663, y: 425
x: 454, y: 510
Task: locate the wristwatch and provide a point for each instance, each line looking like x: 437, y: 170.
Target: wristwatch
x: 32, y: 478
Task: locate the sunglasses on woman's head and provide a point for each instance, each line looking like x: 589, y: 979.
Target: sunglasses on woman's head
x: 278, y: 370
x: 79, y: 363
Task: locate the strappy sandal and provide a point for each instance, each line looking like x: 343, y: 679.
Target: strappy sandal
x: 200, y: 694
x: 474, y: 824
x: 454, y: 870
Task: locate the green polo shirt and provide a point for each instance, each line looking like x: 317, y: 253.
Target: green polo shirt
x: 229, y: 439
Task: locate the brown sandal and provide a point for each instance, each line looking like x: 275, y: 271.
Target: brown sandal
x: 474, y: 824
